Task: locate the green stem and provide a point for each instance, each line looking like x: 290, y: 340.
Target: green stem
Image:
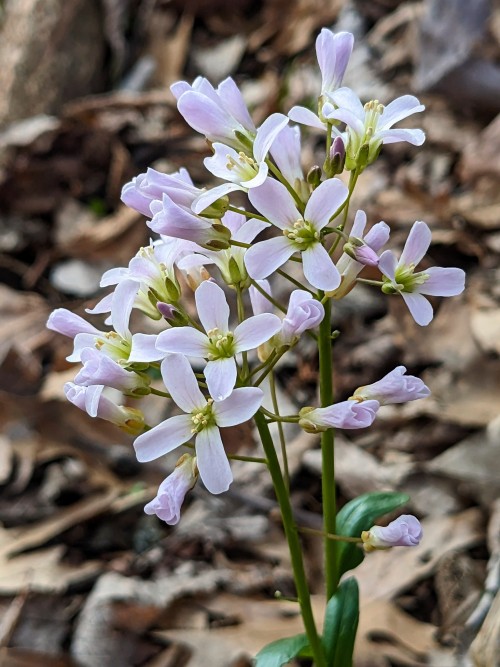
x: 157, y: 392
x: 241, y: 317
x: 274, y: 169
x: 327, y: 452
x: 247, y: 214
x: 352, y: 184
x: 275, y: 303
x: 365, y: 281
x: 294, y: 281
x: 249, y: 459
x: 329, y: 536
x: 292, y: 537
x: 265, y: 373
x: 274, y: 398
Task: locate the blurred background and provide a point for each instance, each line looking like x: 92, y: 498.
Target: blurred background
x: 86, y: 579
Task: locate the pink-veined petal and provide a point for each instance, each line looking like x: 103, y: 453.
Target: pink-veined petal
x: 242, y: 404
x: 212, y: 461
x: 443, y: 282
x: 221, y: 377
x: 232, y: 99
x: 324, y: 201
x: 163, y: 438
x: 69, y: 324
x: 266, y: 256
x: 181, y: 383
x: 206, y: 117
x: 183, y: 340
x: 212, y: 306
x: 419, y: 307
x: 255, y: 330
x: 275, y: 203
x: 417, y: 244
x: 319, y: 268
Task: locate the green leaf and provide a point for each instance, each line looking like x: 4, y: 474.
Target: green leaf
x: 358, y: 515
x: 341, y: 624
x: 280, y: 652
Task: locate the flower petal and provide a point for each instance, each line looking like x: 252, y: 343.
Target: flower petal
x: 232, y: 99
x: 208, y: 197
x: 69, y: 324
x: 212, y: 306
x: 400, y: 108
x: 387, y: 264
x: 443, y: 282
x: 267, y: 133
x: 206, y: 117
x: 121, y: 307
x: 183, y: 340
x: 266, y: 256
x: 163, y: 438
x: 415, y: 137
x: 144, y: 348
x: 181, y: 383
x: 417, y: 244
x: 212, y: 462
x: 239, y: 407
x: 221, y: 377
x: 319, y: 268
x: 305, y: 117
x: 324, y: 201
x: 255, y: 330
x: 419, y: 307
x: 275, y: 203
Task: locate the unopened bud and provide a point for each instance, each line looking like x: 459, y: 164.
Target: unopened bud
x: 336, y: 159
x: 361, y: 252
x: 234, y: 272
x: 217, y: 209
x: 174, y: 317
x: 314, y: 176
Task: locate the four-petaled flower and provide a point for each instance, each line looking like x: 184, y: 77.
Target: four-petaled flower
x: 301, y: 233
x: 401, y: 277
x: 370, y: 125
x: 219, y: 345
x: 202, y: 420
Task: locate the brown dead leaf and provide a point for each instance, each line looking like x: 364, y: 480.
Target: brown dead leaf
x: 387, y: 633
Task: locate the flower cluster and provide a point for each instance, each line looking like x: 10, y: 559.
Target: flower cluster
x: 204, y: 243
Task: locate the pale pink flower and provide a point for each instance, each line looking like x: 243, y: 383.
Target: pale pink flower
x: 405, y: 531
x: 172, y: 491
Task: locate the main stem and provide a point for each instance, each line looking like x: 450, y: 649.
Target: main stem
x: 327, y: 453
x: 293, y: 541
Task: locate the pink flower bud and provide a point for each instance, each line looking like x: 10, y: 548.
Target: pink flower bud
x: 405, y: 531
x: 172, y: 491
x: 395, y: 387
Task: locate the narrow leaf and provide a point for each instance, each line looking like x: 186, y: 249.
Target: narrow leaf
x: 341, y: 623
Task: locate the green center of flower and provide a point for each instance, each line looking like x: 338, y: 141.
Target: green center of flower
x: 221, y: 345
x: 245, y: 168
x: 405, y: 280
x: 373, y: 111
x: 114, y: 346
x: 203, y: 418
x: 303, y: 234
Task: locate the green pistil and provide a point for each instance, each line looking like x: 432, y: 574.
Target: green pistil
x: 303, y: 234
x: 203, y: 418
x: 221, y: 345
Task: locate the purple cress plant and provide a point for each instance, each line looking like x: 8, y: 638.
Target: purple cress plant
x: 210, y: 248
